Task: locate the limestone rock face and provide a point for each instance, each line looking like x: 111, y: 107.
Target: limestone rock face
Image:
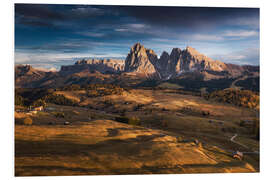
x: 162, y: 64
x: 145, y: 61
x: 175, y: 63
x: 26, y: 75
x: 187, y: 60
x: 103, y: 66
x: 140, y: 60
x: 193, y: 60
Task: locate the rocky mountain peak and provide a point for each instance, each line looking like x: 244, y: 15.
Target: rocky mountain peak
x: 164, y: 55
x: 163, y: 60
x: 152, y: 56
x: 143, y: 60
x: 176, y: 52
x: 137, y: 47
x: 192, y: 52
x: 140, y: 60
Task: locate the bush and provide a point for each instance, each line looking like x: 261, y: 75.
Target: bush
x: 38, y: 103
x: 59, y: 99
x: 244, y: 98
x: 179, y: 139
x: 134, y: 121
x: 122, y: 119
x: 96, y: 90
x: 28, y: 121
x: 242, y: 123
x: 19, y: 100
x: 128, y: 120
x: 59, y: 114
x: 164, y: 123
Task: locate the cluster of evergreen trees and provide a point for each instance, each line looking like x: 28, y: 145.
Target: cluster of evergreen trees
x: 244, y: 98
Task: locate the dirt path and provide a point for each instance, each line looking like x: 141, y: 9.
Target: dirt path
x: 232, y: 140
x: 235, y: 81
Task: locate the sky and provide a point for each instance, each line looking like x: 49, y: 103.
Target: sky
x: 48, y: 36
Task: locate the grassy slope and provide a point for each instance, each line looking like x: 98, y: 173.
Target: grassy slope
x: 96, y: 146
x: 108, y: 147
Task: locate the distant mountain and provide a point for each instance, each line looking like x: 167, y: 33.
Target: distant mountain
x: 26, y: 74
x: 103, y: 66
x: 142, y: 67
x: 178, y: 62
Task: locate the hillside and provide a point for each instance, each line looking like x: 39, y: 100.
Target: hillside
x: 83, y: 130
x: 97, y: 148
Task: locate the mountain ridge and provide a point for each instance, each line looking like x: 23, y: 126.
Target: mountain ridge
x: 141, y: 64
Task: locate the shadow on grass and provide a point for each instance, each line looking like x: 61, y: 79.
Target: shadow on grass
x: 62, y: 170
x: 219, y: 165
x: 40, y: 168
x: 59, y: 146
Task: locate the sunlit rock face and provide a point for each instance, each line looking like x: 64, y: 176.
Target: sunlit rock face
x: 140, y: 60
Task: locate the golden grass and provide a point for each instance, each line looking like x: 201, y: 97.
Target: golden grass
x: 100, y: 146
x: 108, y: 147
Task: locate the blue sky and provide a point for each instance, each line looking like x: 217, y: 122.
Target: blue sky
x: 49, y: 36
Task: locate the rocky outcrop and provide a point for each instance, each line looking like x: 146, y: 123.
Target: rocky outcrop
x: 140, y: 60
x: 188, y: 60
x: 27, y: 76
x: 103, y: 66
x: 116, y: 64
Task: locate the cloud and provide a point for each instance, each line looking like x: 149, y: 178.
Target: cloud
x: 37, y: 11
x: 54, y: 15
x: 240, y: 33
x: 136, y: 27
x: 61, y: 46
x: 91, y: 34
x: 249, y: 56
x: 205, y: 37
x: 87, y: 11
x: 56, y: 60
x: 190, y: 17
x: 248, y: 21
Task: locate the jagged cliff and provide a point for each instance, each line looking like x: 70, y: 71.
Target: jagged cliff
x: 145, y: 61
x: 103, y: 66
x: 140, y: 60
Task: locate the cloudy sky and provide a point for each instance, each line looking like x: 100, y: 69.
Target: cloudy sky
x: 49, y: 36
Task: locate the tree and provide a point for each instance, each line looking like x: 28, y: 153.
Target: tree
x: 19, y: 100
x: 38, y: 103
x: 28, y: 121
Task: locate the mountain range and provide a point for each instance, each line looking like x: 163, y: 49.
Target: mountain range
x: 141, y: 64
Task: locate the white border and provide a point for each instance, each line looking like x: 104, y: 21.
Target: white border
x: 7, y: 87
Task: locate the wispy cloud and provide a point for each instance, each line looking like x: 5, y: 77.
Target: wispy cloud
x: 249, y: 21
x: 87, y: 11
x: 206, y: 37
x: 240, y: 33
x: 56, y: 60
x: 249, y: 56
x: 91, y: 34
x: 138, y: 28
